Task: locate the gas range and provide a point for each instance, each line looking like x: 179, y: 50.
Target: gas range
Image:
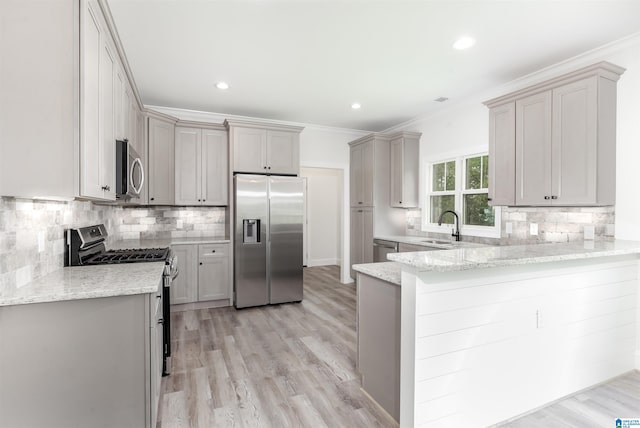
x: 85, y: 246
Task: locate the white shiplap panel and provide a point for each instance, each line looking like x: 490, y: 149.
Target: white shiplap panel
x: 491, y: 347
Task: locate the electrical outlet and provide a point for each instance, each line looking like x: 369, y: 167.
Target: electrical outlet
x: 533, y: 228
x: 41, y: 241
x: 509, y: 227
x: 589, y: 232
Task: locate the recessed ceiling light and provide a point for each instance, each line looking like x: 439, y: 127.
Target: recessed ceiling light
x: 464, y: 43
x: 441, y: 99
x: 355, y: 106
x: 222, y: 85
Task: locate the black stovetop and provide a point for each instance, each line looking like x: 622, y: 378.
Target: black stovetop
x: 129, y: 256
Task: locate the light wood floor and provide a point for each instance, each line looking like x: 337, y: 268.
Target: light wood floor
x: 597, y: 407
x: 290, y: 365
x: 293, y: 365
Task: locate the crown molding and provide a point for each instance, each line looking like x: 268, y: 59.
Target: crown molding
x: 601, y: 53
x: 219, y: 118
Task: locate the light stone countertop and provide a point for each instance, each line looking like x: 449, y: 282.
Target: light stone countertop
x: 429, y: 242
x: 386, y: 271
x: 161, y: 243
x: 487, y: 257
x: 87, y: 282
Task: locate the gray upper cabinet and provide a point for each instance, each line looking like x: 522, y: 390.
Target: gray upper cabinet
x: 361, y: 173
x: 201, y: 166
x: 502, y: 154
x: 73, y: 94
x: 161, y: 162
x: 560, y: 145
x: 264, y: 149
x: 404, y: 155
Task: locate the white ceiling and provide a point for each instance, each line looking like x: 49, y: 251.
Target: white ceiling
x: 309, y: 60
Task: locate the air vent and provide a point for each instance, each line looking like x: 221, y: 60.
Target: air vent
x: 441, y: 99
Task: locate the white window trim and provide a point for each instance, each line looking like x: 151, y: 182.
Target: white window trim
x: 468, y: 230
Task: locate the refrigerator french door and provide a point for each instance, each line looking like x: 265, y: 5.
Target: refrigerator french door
x: 268, y: 240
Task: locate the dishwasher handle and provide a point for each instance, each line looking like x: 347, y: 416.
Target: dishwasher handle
x: 386, y: 245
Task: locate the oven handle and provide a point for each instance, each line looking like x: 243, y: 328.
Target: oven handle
x: 174, y: 273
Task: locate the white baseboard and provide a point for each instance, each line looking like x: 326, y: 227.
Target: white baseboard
x: 322, y: 262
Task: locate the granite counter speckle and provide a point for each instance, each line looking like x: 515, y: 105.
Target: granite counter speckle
x: 87, y: 282
x: 386, y: 271
x: 487, y: 257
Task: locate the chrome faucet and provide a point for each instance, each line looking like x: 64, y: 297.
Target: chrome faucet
x: 457, y: 229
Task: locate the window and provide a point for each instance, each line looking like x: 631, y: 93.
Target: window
x: 461, y: 185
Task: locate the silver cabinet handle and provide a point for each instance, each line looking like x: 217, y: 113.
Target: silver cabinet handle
x: 139, y: 189
x: 547, y: 197
x: 106, y: 188
x: 554, y: 197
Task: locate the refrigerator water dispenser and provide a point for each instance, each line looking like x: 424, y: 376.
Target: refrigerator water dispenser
x: 251, y: 231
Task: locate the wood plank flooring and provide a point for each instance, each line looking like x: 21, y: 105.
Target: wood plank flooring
x: 293, y: 365
x: 290, y: 365
x: 596, y: 407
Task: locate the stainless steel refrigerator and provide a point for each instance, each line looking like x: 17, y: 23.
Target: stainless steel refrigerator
x: 268, y: 240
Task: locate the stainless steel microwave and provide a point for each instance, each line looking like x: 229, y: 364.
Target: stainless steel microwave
x: 129, y: 171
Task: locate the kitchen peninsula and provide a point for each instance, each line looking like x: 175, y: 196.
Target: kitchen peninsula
x: 535, y: 322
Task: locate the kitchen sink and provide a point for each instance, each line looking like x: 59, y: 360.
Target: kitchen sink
x: 437, y: 241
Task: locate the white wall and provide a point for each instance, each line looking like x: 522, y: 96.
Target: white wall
x: 324, y: 215
x: 465, y: 125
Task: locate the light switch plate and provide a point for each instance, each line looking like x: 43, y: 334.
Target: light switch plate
x: 508, y: 227
x: 533, y: 228
x: 589, y: 232
x: 41, y: 241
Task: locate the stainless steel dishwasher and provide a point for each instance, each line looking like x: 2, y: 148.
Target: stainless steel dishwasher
x: 381, y: 248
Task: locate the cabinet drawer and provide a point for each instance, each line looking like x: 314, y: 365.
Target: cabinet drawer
x: 213, y: 250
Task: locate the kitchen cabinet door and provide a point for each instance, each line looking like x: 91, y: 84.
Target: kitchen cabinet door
x: 214, y: 272
x: 361, y: 244
x: 161, y: 162
x: 283, y: 156
x: 121, y: 105
x: 574, y: 155
x: 214, y: 170
x: 533, y: 149
x: 361, y: 174
x: 97, y: 146
x: 184, y: 289
x: 502, y: 154
x: 188, y: 164
x: 249, y: 150
x: 404, y: 172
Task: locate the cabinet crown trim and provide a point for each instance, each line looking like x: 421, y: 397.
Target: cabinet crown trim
x: 201, y: 125
x: 261, y: 125
x: 385, y: 137
x: 160, y: 116
x: 603, y: 69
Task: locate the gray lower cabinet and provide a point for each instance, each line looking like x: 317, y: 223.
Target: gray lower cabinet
x: 361, y: 236
x: 213, y: 272
x: 378, y: 325
x: 205, y: 273
x: 81, y: 363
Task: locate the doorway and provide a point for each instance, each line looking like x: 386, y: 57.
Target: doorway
x: 323, y: 225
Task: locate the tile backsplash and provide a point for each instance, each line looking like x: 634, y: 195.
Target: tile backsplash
x: 172, y: 222
x: 32, y: 232
x: 555, y: 224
